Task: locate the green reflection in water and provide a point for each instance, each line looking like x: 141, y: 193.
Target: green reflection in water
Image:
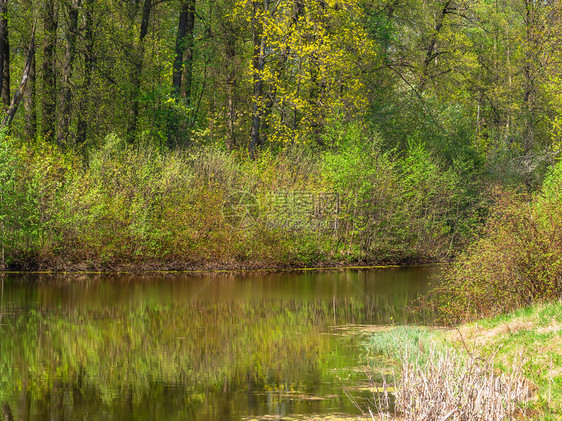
x: 205, y: 347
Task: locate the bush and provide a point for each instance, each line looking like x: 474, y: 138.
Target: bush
x: 8, y: 198
x: 517, y: 262
x: 367, y: 184
x: 31, y: 176
x: 400, y: 209
x: 141, y: 205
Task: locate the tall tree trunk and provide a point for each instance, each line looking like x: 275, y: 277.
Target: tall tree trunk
x: 431, y: 54
x: 188, y: 71
x: 5, y: 55
x: 137, y: 65
x: 49, y: 75
x: 271, y: 97
x: 230, y: 50
x: 82, y: 126
x: 316, y: 88
x: 258, y: 63
x: 531, y: 60
x: 3, y: 40
x: 66, y: 94
x: 183, y: 67
x: 172, y: 121
x: 180, y: 45
x: 184, y: 46
x: 22, y: 86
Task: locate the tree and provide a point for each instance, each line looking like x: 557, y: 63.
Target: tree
x: 137, y: 67
x: 183, y: 67
x: 30, y: 97
x: 300, y: 67
x: 72, y: 13
x: 88, y: 57
x: 49, y: 92
x: 10, y: 113
x: 5, y: 54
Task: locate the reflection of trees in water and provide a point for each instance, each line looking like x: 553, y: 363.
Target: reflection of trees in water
x: 69, y: 351
x: 211, y: 337
x: 207, y: 349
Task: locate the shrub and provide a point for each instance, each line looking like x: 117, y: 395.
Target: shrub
x: 396, y: 208
x: 366, y: 180
x: 517, y: 262
x: 430, y: 201
x: 129, y: 203
x: 31, y: 176
x: 8, y: 199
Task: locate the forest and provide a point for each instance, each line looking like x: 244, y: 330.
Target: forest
x: 179, y: 139
x: 476, y: 81
x: 128, y: 126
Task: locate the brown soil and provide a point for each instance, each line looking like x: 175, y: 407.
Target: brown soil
x: 144, y: 266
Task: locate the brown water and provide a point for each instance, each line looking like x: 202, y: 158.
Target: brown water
x: 219, y: 346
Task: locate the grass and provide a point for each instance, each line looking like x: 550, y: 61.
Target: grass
x: 456, y: 386
x: 536, y: 333
x: 441, y: 369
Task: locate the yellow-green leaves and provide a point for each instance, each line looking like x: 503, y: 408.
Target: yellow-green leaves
x: 313, y: 52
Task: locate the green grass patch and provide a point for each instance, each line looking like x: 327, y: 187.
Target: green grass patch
x: 528, y: 340
x: 536, y: 334
x: 412, y: 341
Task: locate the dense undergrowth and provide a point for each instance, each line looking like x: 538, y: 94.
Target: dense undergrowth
x: 509, y: 280
x: 516, y: 263
x: 134, y: 205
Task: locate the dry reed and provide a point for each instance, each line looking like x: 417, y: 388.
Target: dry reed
x: 452, y: 387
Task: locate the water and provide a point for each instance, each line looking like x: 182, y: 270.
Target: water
x: 218, y: 346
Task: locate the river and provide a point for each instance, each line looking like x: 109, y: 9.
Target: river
x: 197, y: 346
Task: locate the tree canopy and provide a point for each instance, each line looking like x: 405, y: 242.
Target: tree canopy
x: 476, y: 78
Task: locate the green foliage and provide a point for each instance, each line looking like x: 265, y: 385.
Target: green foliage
x: 138, y: 204
x: 32, y: 176
x: 366, y: 179
x: 430, y: 192
x: 518, y: 261
x: 551, y: 192
x: 7, y: 195
x: 475, y: 82
x: 403, y: 208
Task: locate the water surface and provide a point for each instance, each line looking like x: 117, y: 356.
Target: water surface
x: 215, y: 346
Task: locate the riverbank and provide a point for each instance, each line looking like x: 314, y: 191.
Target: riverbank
x: 214, y: 267
x: 535, y: 334
x: 525, y: 344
